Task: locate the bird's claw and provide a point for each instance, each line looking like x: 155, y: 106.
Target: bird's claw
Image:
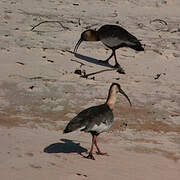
x: 120, y: 70
x: 101, y: 153
x: 90, y: 156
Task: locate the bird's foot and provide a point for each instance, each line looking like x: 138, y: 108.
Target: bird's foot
x: 120, y: 70
x: 101, y: 153
x: 90, y: 156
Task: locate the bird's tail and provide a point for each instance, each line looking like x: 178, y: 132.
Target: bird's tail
x: 69, y: 128
x: 66, y: 130
x: 73, y: 125
x: 137, y: 46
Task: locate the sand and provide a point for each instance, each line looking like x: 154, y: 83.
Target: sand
x: 40, y: 91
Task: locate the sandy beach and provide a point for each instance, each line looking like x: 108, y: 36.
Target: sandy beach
x: 40, y: 91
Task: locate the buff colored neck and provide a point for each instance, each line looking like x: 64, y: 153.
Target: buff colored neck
x: 91, y: 35
x: 111, y: 100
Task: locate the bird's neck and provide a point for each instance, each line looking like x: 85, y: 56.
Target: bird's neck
x: 111, y: 100
x: 94, y: 36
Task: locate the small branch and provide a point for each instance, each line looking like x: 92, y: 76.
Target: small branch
x: 81, y: 64
x: 49, y: 22
x: 157, y: 51
x: 127, y: 56
x: 97, y: 72
x: 20, y: 63
x: 157, y: 76
x: 159, y: 20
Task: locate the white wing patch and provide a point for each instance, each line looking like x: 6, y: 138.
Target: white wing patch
x: 81, y: 128
x: 100, y: 128
x: 114, y: 41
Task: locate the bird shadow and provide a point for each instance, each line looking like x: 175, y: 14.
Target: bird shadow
x: 91, y: 60
x: 66, y: 146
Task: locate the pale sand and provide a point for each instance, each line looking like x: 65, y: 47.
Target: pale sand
x: 39, y: 92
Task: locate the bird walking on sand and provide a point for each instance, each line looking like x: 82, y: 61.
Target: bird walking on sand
x: 97, y: 119
x: 114, y: 37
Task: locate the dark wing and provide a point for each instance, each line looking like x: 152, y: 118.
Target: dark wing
x: 89, y: 117
x: 125, y: 38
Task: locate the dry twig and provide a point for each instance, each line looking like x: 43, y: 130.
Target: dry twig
x: 90, y: 74
x: 159, y: 20
x: 162, y: 22
x: 48, y: 22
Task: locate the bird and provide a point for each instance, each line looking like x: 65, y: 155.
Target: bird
x: 113, y: 37
x: 96, y: 119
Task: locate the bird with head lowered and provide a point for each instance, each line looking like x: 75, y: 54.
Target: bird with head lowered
x: 113, y: 37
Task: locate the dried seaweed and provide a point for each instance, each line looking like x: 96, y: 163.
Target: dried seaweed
x: 49, y: 22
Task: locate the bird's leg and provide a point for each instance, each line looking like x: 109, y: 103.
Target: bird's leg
x: 99, y: 152
x: 90, y: 156
x: 117, y: 65
x: 107, y: 60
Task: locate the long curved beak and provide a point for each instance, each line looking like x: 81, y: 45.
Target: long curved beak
x: 123, y: 93
x: 77, y: 45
